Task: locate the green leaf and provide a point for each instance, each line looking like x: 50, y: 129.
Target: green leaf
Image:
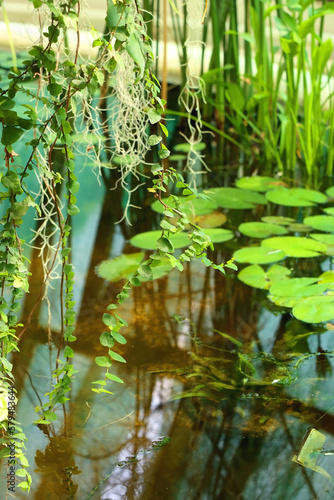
x: 135, y: 51
x: 257, y: 183
x: 321, y: 222
x: 229, y: 197
x: 218, y: 235
x: 114, y: 378
x: 154, y: 139
x: 68, y: 352
x: 12, y: 181
x: 107, y: 340
x: 10, y: 135
x: 119, y: 338
x: 55, y: 89
x: 257, y: 277
x: 258, y: 255
x: 296, y: 197
x: 165, y: 245
x: 18, y: 209
x: 148, y: 240
x: 135, y: 281
x: 72, y: 209
x: 103, y: 361
x: 121, y: 267
x: 116, y: 357
x: 295, y: 246
x: 315, y: 309
x: 109, y: 320
x: 153, y: 116
x: 145, y: 272
x: 260, y: 229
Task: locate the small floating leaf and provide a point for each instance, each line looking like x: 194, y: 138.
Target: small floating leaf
x: 258, y: 183
x: 330, y: 192
x: 149, y: 239
x: 315, y: 309
x: 282, y: 221
x: 215, y: 219
x: 295, y: 246
x: 218, y: 235
x: 185, y: 147
x: 121, y: 267
x: 229, y: 197
x: 321, y: 222
x: 260, y: 229
x: 257, y: 277
x: 296, y: 197
x: 258, y: 255
x: 298, y: 287
x: 328, y: 239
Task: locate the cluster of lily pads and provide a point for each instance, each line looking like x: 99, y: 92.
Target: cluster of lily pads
x: 311, y: 299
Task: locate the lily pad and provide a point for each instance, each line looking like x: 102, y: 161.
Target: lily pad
x: 298, y: 227
x: 177, y: 157
x: 218, y: 235
x: 296, y: 197
x: 329, y: 210
x: 321, y: 222
x: 298, y: 288
x: 315, y: 309
x: 282, y: 221
x: 328, y: 239
x: 121, y: 267
x: 260, y: 229
x: 148, y: 240
x: 229, y: 197
x: 330, y: 192
x: 215, y: 219
x: 185, y: 147
x: 197, y: 206
x: 257, y: 277
x: 258, y: 183
x: 258, y: 255
x: 295, y: 246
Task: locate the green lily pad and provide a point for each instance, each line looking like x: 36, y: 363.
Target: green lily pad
x: 218, y: 235
x: 177, y: 157
x: 185, y: 147
x: 281, y: 221
x: 315, y: 309
x: 121, y: 267
x: 197, y: 206
x: 283, y: 301
x: 296, y: 246
x: 328, y: 239
x: 260, y: 229
x: 329, y: 210
x: 229, y: 197
x: 297, y: 227
x: 258, y: 255
x: 257, y: 183
x: 330, y: 192
x: 321, y: 222
x: 149, y: 239
x: 296, y: 197
x: 298, y: 287
x: 257, y: 277
x: 327, y: 277
x: 215, y: 219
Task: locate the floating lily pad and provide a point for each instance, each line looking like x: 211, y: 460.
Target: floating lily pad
x: 330, y: 192
x: 315, y: 309
x: 298, y: 287
x: 284, y: 301
x: 296, y: 197
x: 260, y: 229
x: 185, y: 147
x: 257, y: 183
x: 321, y: 222
x: 327, y: 277
x: 215, y: 219
x: 297, y: 227
x: 121, y: 267
x: 149, y: 239
x: 177, y: 157
x: 328, y: 239
x: 229, y: 197
x: 296, y: 246
x: 197, y: 206
x: 329, y: 211
x: 258, y: 255
x: 218, y: 235
x: 282, y: 221
x: 257, y: 277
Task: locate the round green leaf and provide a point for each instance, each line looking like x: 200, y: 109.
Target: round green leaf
x: 281, y: 221
x: 330, y: 192
x: 298, y: 287
x: 121, y: 267
x: 295, y: 246
x: 107, y: 340
x: 229, y: 197
x: 260, y: 229
x: 257, y: 277
x: 295, y: 197
x: 185, y: 147
x: 327, y: 239
x: 145, y: 272
x: 315, y: 309
x: 148, y: 240
x: 330, y: 210
x: 258, y: 255
x: 321, y: 222
x: 257, y: 183
x: 218, y: 235
x: 215, y: 219
x: 103, y: 361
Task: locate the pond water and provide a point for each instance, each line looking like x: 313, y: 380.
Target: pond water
x: 271, y: 381
x: 262, y: 380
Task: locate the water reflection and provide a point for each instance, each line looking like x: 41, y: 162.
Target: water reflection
x: 224, y: 446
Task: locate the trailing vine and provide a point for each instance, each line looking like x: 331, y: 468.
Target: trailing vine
x: 64, y: 92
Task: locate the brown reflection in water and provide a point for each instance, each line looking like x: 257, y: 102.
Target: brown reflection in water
x: 215, y: 445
